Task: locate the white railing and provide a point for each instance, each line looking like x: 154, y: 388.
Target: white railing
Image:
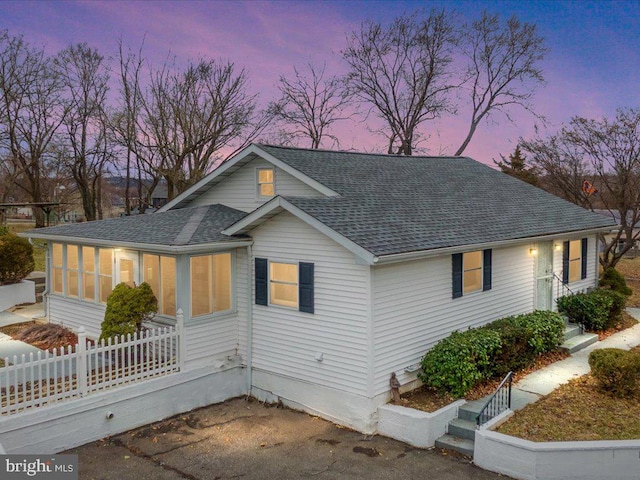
x: 32, y: 380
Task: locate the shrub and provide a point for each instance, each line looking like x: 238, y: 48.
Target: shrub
x: 616, y: 370
x: 547, y: 330
x: 16, y: 259
x: 460, y: 361
x: 613, y: 280
x: 588, y: 309
x: 4, y: 231
x: 127, y: 308
x: 618, y: 303
x: 515, y: 352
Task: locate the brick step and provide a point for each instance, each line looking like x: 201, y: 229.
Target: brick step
x: 460, y: 445
x: 579, y: 342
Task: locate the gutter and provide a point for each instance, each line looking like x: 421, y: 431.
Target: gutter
x: 401, y: 257
x: 45, y: 293
x: 147, y: 247
x: 249, y: 321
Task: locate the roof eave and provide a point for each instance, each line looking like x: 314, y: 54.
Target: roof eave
x: 435, y: 252
x: 147, y: 247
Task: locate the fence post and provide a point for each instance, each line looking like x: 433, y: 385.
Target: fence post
x: 182, y: 340
x: 81, y: 362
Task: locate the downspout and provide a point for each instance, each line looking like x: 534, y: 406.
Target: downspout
x: 249, y: 321
x: 45, y: 293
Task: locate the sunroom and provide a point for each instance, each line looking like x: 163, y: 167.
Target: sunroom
x: 181, y: 254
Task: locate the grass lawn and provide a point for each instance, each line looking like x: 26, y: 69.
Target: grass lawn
x: 39, y: 245
x: 630, y: 268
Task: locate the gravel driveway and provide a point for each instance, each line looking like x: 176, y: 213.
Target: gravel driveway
x: 248, y: 440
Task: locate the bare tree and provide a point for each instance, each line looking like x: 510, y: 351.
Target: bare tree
x: 504, y: 67
x: 85, y: 142
x: 310, y: 104
x: 403, y: 73
x: 606, y: 153
x: 191, y: 116
x: 31, y: 112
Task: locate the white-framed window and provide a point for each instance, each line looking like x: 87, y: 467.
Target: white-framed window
x: 88, y: 273
x: 472, y: 271
x: 575, y: 260
x: 75, y: 273
x: 211, y: 284
x: 105, y: 273
x: 283, y: 284
x: 57, y: 265
x: 265, y: 182
x: 160, y: 273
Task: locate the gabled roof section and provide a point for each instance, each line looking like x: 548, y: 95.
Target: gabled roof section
x: 180, y: 228
x: 392, y: 205
x: 234, y: 164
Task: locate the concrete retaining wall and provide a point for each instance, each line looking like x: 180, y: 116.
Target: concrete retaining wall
x: 16, y: 294
x: 526, y: 460
x: 58, y: 427
x: 415, y: 427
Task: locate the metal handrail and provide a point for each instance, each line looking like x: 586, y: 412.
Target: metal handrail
x: 562, y: 285
x: 495, y: 405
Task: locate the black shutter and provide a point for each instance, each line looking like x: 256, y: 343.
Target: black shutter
x: 305, y: 287
x: 262, y: 297
x: 565, y: 262
x: 456, y: 263
x: 583, y: 258
x: 486, y: 270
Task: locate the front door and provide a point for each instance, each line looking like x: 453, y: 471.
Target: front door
x: 544, y: 276
x: 127, y: 268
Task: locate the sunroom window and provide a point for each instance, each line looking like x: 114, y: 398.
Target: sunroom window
x: 56, y: 270
x: 88, y: 273
x: 211, y: 280
x: 160, y: 274
x: 105, y: 265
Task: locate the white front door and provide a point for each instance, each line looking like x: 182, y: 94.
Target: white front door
x: 544, y: 276
x: 127, y: 270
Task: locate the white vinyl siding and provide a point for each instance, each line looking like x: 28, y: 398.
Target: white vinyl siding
x: 74, y: 314
x: 413, y: 307
x: 285, y: 341
x: 239, y: 189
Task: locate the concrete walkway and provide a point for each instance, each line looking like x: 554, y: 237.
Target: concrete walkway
x: 542, y: 382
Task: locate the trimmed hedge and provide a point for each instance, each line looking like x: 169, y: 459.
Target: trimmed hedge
x: 616, y: 370
x: 16, y: 259
x: 459, y: 362
x: 596, y: 311
x: 127, y: 308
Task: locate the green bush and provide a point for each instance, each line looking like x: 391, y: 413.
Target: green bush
x: 515, y: 352
x: 4, y: 231
x: 613, y: 280
x: 616, y: 370
x: 460, y: 361
x: 618, y: 303
x: 588, y: 309
x: 16, y: 259
x: 127, y: 308
x: 547, y: 330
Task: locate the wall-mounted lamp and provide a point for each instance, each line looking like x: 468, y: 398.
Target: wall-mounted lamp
x: 557, y: 247
x: 533, y: 252
x: 117, y: 249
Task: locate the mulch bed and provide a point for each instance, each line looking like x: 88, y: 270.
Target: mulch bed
x: 45, y: 336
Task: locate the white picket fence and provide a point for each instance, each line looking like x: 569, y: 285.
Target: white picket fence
x: 48, y: 377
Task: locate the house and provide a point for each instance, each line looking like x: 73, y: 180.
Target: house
x: 323, y: 272
x: 620, y: 237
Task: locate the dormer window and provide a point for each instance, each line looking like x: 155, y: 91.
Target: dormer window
x: 266, y: 186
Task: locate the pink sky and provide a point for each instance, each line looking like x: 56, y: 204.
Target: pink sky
x: 592, y: 69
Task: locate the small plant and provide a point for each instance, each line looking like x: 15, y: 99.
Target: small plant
x: 460, y: 361
x: 127, y: 308
x: 616, y: 370
x: 613, y: 280
x: 16, y: 259
x: 591, y: 310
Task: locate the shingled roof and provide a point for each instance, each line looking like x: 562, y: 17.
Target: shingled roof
x: 185, y: 227
x: 392, y: 204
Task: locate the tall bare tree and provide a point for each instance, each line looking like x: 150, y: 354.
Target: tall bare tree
x: 606, y: 153
x: 192, y: 115
x: 403, y: 73
x: 85, y: 142
x: 310, y: 103
x: 31, y: 112
x: 504, y: 67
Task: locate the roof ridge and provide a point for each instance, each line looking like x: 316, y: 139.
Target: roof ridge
x: 191, y: 225
x: 355, y: 152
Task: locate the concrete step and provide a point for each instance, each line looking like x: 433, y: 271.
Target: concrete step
x: 571, y: 331
x: 469, y: 411
x: 462, y: 428
x: 579, y: 342
x: 460, y: 445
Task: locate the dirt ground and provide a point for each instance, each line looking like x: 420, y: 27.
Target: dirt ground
x: 248, y: 440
